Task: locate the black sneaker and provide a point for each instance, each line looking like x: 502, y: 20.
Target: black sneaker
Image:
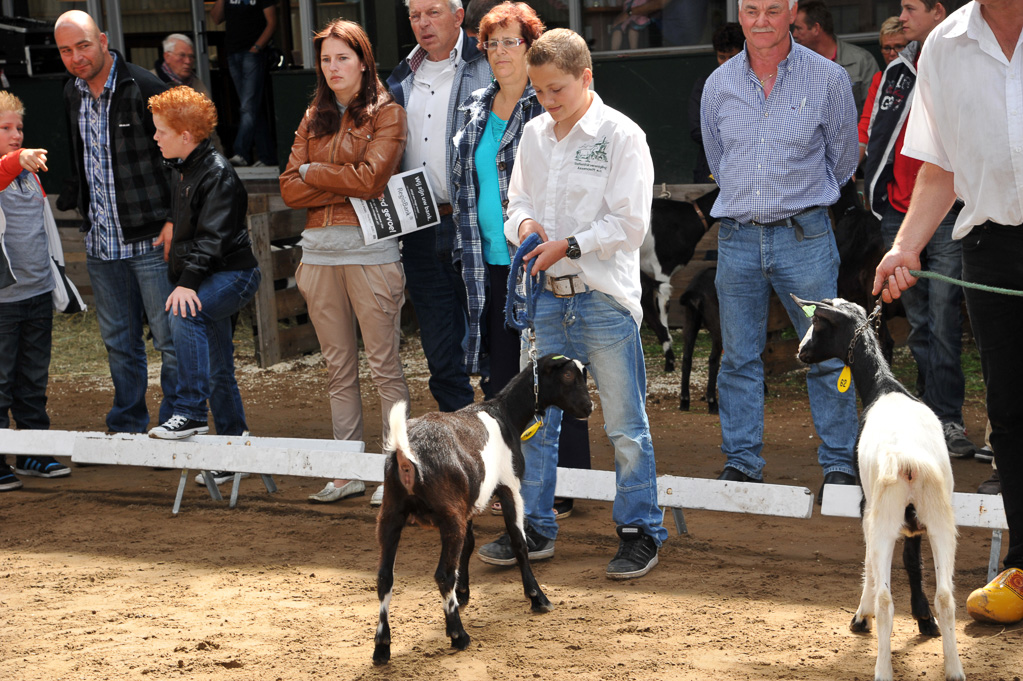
x: 178, y: 428
x: 992, y: 485
x: 984, y: 454
x: 959, y: 446
x: 8, y: 481
x: 40, y: 467
x: 637, y: 554
x: 500, y: 552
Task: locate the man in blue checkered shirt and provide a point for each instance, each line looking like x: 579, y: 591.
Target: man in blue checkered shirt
x: 123, y: 194
x: 779, y: 127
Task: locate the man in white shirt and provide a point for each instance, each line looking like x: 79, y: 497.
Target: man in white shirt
x: 966, y: 124
x: 436, y: 77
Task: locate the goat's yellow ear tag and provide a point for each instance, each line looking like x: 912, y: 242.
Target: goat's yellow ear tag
x: 808, y: 310
x: 531, y: 431
x: 844, y: 379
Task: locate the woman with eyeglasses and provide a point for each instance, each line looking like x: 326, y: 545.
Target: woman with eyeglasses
x: 485, y: 146
x: 348, y: 144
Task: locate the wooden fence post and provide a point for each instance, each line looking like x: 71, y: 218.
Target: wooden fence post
x: 268, y: 347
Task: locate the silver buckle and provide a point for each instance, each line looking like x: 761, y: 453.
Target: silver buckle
x: 566, y: 286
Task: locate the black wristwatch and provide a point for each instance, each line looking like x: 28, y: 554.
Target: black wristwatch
x: 573, y: 252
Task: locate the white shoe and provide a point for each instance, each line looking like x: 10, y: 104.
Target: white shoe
x: 378, y: 496
x: 330, y: 493
x: 238, y: 161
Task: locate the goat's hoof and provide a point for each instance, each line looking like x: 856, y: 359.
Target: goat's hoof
x: 463, y: 596
x: 460, y: 641
x: 669, y: 366
x: 929, y: 627
x: 541, y: 604
x: 683, y: 405
x: 712, y: 407
x: 381, y: 654
x: 861, y: 626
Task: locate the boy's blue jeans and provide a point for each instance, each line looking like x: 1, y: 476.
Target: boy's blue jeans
x: 205, y: 351
x: 26, y: 330
x: 596, y: 330
x: 751, y: 261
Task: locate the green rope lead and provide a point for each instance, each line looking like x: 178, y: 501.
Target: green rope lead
x: 965, y: 284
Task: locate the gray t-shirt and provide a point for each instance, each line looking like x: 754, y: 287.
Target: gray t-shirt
x: 24, y: 240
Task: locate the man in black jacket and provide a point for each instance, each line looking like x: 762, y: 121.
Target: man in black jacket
x: 123, y: 194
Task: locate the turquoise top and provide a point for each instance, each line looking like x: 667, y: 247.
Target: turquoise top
x: 489, y: 208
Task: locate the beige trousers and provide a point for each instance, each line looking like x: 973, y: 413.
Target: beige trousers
x: 373, y: 295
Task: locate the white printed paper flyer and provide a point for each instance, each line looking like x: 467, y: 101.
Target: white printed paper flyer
x: 408, y: 204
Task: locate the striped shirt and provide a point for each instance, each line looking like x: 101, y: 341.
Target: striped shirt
x: 104, y: 240
x: 778, y: 156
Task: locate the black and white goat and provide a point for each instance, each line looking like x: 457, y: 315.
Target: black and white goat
x: 442, y: 469
x: 676, y: 228
x: 906, y: 477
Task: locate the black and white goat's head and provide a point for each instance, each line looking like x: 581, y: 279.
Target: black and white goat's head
x: 833, y: 325
x: 561, y: 382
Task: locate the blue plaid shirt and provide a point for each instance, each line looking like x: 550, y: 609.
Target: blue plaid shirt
x: 778, y: 156
x: 468, y: 247
x: 104, y: 240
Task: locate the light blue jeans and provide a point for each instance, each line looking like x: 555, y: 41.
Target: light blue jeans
x: 934, y: 312
x: 751, y: 261
x: 206, y: 351
x: 126, y: 290
x: 596, y: 330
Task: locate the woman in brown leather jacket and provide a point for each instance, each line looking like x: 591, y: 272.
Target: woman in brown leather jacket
x: 349, y: 143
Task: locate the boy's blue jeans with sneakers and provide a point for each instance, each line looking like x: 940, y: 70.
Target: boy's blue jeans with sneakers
x: 205, y: 351
x: 595, y: 329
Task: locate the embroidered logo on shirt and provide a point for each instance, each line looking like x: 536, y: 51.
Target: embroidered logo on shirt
x: 592, y: 157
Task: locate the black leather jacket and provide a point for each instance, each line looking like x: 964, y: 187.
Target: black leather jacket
x: 209, y: 206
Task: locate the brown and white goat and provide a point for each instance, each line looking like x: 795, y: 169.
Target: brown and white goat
x: 442, y: 470
x: 906, y: 477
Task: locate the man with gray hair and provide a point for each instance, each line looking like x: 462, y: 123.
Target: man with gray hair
x: 431, y: 82
x: 177, y: 65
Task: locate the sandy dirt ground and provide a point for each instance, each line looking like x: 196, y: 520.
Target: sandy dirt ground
x: 99, y: 581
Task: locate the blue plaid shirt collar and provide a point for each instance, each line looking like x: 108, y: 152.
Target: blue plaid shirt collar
x: 108, y: 87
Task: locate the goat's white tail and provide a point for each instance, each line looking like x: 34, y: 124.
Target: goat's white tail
x: 397, y: 441
x: 919, y: 467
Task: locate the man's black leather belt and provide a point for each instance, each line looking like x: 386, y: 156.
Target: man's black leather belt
x: 787, y: 222
x: 445, y: 209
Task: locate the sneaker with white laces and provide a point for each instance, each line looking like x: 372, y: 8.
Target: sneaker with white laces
x: 959, y: 446
x: 637, y: 554
x: 500, y: 552
x: 219, y: 477
x: 178, y: 428
x: 378, y: 496
x: 40, y: 467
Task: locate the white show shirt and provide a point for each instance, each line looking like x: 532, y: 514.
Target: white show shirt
x: 596, y: 184
x: 427, y: 110
x: 967, y: 118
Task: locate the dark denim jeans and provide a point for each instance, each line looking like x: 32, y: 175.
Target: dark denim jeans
x: 205, y: 351
x: 438, y: 296
x: 248, y: 73
x: 127, y: 291
x: 934, y: 312
x: 991, y: 255
x: 26, y: 328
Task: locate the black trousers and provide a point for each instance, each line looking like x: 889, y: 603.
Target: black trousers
x: 993, y: 255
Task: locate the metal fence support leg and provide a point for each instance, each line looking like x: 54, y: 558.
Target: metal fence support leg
x: 181, y: 491
x: 996, y: 553
x: 268, y: 481
x: 211, y: 486
x: 680, y: 521
x: 234, y: 490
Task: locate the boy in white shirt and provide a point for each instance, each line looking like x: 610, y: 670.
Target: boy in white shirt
x: 583, y: 180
